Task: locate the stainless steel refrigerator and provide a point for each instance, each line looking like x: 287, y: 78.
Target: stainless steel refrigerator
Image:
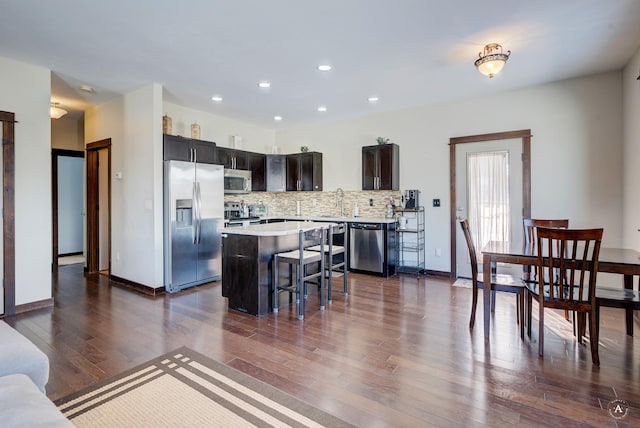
x: 193, y: 217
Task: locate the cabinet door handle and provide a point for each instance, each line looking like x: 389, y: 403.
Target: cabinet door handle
x: 195, y: 154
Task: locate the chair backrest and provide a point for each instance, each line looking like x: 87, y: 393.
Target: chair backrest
x: 336, y: 229
x: 472, y: 249
x: 531, y: 225
x: 573, y: 254
x: 312, y: 237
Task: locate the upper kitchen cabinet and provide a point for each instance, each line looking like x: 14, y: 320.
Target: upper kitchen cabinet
x: 381, y: 167
x: 276, y: 173
x: 232, y: 159
x: 188, y: 149
x: 257, y: 163
x: 304, y: 171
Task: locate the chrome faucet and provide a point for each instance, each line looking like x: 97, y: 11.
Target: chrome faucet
x: 340, y: 200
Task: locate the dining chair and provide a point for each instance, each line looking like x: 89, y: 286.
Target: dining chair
x: 571, y: 256
x: 530, y: 238
x: 499, y: 282
x: 333, y: 261
x: 622, y: 298
x: 301, y: 258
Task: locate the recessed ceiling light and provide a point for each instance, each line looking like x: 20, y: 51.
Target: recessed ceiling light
x: 264, y: 84
x: 216, y: 98
x: 322, y: 108
x: 324, y: 67
x: 87, y: 88
x: 277, y: 118
x: 373, y: 99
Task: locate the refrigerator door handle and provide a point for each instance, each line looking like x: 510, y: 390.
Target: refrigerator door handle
x: 199, y: 204
x: 194, y: 214
x: 195, y: 155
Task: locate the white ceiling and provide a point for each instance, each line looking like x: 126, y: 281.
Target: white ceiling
x: 407, y: 52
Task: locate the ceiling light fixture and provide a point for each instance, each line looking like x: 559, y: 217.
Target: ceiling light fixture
x: 491, y: 60
x: 324, y: 67
x: 277, y: 118
x: 264, y: 84
x: 87, y: 88
x: 216, y: 98
x: 55, y: 111
x: 322, y: 108
x: 373, y: 99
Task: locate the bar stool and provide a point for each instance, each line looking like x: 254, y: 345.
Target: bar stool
x: 333, y: 263
x: 301, y: 259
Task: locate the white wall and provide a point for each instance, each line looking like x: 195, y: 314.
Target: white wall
x: 67, y: 134
x: 218, y: 129
x: 133, y: 122
x: 576, y: 151
x: 631, y: 98
x: 25, y: 91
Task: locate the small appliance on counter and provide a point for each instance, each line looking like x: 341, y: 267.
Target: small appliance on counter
x: 259, y: 210
x: 411, y: 199
x: 239, y: 214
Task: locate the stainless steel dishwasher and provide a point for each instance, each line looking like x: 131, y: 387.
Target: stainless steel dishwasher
x: 366, y: 247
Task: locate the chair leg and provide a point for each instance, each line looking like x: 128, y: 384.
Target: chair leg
x: 529, y: 311
x: 581, y: 325
x: 541, y: 327
x: 301, y: 291
x: 593, y: 339
x: 274, y: 284
x: 474, y: 303
x: 521, y: 314
x: 329, y: 270
x: 322, y: 283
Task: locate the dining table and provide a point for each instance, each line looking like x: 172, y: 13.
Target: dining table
x: 611, y: 260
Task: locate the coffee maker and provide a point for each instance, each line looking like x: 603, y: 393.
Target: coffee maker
x: 411, y: 199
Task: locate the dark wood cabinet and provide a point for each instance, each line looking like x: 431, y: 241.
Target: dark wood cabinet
x: 381, y: 167
x: 231, y: 158
x: 304, y: 171
x: 188, y: 149
x: 276, y: 173
x: 257, y: 163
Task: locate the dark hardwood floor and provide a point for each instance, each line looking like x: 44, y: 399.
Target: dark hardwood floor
x: 397, y: 352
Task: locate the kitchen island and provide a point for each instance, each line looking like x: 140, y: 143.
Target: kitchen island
x: 247, y: 256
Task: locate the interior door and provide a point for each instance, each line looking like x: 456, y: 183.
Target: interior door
x: 1, y: 236
x: 514, y: 149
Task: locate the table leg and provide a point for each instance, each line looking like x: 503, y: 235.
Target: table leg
x: 486, y: 293
x: 628, y: 284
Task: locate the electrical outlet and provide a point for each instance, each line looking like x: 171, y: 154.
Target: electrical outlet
x: 436, y: 202
x: 370, y: 202
x: 438, y: 252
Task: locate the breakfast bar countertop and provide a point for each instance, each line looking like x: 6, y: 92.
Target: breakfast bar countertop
x: 275, y: 229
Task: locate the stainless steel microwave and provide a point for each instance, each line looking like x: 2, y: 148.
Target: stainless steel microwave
x: 237, y: 181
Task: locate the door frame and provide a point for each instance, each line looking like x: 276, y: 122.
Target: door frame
x: 525, y: 135
x: 8, y: 205
x: 55, y: 154
x: 93, y: 208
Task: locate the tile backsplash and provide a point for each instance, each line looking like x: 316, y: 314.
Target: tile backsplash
x: 322, y: 203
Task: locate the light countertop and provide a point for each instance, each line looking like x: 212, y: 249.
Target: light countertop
x: 275, y: 229
x: 335, y: 219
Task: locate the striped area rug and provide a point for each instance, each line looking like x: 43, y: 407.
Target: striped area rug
x: 186, y: 389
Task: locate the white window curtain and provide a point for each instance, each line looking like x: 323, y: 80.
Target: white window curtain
x: 488, y: 197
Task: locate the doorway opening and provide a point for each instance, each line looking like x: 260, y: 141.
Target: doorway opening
x: 98, y: 166
x: 455, y: 170
x: 67, y: 206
